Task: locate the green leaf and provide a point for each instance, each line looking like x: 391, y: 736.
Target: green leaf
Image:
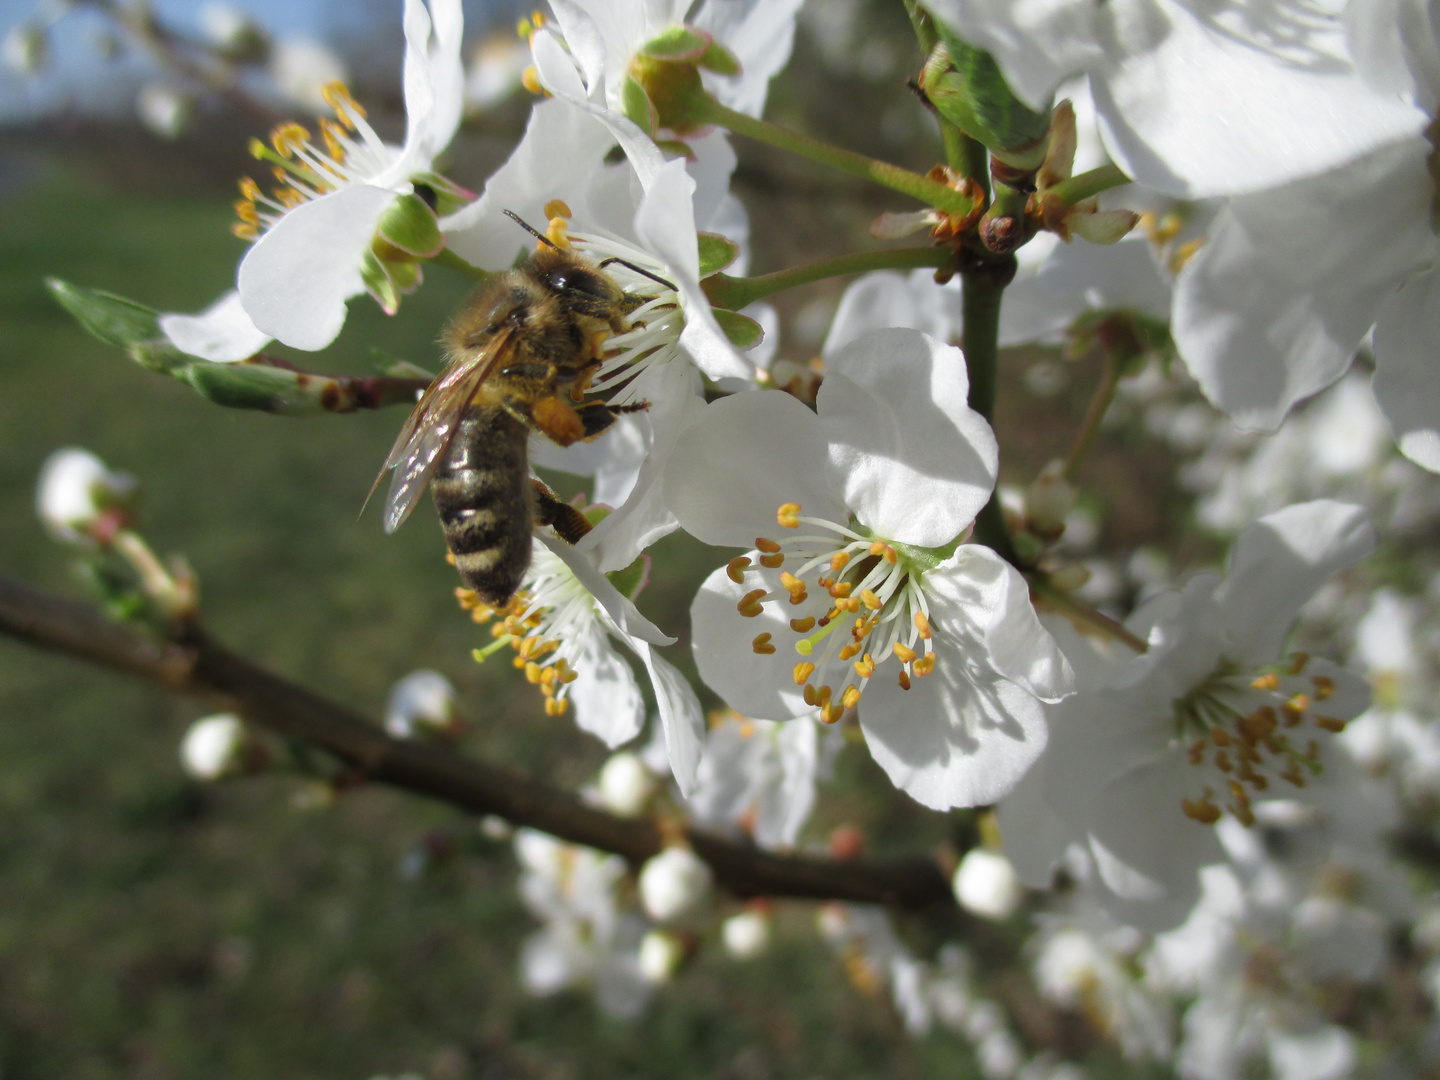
x: 636, y: 104
x: 743, y: 331
x: 111, y: 318
x: 716, y: 253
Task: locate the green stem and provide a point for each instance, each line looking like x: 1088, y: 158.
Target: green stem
x: 451, y: 261
x: 1077, y: 612
x: 980, y: 293
x: 734, y: 293
x: 1099, y: 405
x: 966, y: 156
x: 1071, y: 191
x: 932, y: 193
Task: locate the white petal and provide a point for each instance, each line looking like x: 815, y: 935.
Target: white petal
x: 296, y: 279
x: 978, y: 595
x: 222, y: 332
x: 914, y: 461
x: 721, y: 641
x: 1230, y: 101
x: 889, y: 298
x: 948, y: 740
x: 680, y: 718
x: 742, y: 459
x: 1035, y: 837
x: 760, y: 34
x: 1407, y: 367
x: 1327, y: 1053
x: 620, y: 609
x: 607, y: 699
x: 1278, y: 563
x: 1273, y: 307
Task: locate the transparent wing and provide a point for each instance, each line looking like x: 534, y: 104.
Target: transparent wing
x: 431, y: 427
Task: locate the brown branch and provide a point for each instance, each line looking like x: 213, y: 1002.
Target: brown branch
x: 199, y: 666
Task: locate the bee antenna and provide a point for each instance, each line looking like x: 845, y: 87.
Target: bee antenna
x: 529, y: 228
x: 645, y: 273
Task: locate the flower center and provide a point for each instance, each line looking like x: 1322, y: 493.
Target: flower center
x: 868, y: 606
x: 1248, y: 730
x: 352, y: 152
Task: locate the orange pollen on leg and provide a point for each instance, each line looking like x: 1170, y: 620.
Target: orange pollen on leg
x: 769, y: 547
x: 749, y: 604
x: 803, y: 670
x: 788, y: 515
x: 761, y: 645
x: 735, y: 570
x: 803, y: 626
x: 904, y: 652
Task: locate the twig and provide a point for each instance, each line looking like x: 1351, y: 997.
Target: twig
x: 199, y: 666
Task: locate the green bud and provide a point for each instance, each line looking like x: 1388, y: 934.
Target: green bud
x: 409, y: 225
x: 965, y: 86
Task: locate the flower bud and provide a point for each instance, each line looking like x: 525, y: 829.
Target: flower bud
x: 233, y: 32
x: 25, y: 50
x: 1048, y: 500
x: 673, y: 883
x: 165, y: 110
x: 625, y: 784
x: 746, y: 935
x: 985, y: 884
x: 215, y: 747
x: 79, y: 499
x: 422, y: 703
x: 660, y: 956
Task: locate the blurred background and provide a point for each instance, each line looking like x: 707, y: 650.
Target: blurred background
x: 152, y: 927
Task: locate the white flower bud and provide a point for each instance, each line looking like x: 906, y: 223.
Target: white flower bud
x: 660, y: 956
x: 746, y: 935
x: 625, y: 784
x: 230, y: 29
x: 423, y: 702
x: 673, y: 883
x: 985, y: 884
x: 214, y: 747
x: 998, y: 1055
x: 1048, y: 500
x: 165, y: 110
x: 75, y: 490
x: 25, y: 50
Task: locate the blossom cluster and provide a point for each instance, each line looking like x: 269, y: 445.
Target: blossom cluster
x: 1214, y: 792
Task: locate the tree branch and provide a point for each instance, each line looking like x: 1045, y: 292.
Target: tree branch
x: 197, y: 665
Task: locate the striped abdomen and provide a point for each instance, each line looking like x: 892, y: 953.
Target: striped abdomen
x: 482, y: 490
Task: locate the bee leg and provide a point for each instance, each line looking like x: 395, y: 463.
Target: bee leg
x: 568, y: 522
x: 558, y: 419
x: 598, y: 415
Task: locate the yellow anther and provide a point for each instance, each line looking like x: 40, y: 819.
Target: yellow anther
x: 851, y: 697
x: 557, y: 231
x: 289, y: 137
x: 772, y: 562
x: 1324, y: 687
x: 567, y: 674
x: 747, y: 728
x: 904, y: 679
x: 803, y: 626
x: 557, y: 706
x: 244, y: 232
x: 865, y: 667
x: 767, y: 546
x: 791, y: 583
x: 735, y: 571
x: 788, y: 515
x: 1330, y: 723
x: 1268, y: 681
x: 810, y: 697
x: 1201, y: 810
x: 849, y: 650
x: 249, y: 189
x: 803, y: 670
x: 904, y: 652
x: 1220, y: 736
x: 871, y: 600
x: 533, y: 673
x: 1197, y: 752
x: 831, y: 711
x: 838, y: 560
x: 557, y: 208
x: 761, y: 645
x: 925, y: 665
x: 247, y: 213
x: 530, y: 79
x: 1222, y: 761
x: 877, y: 547
x: 337, y: 96
x: 823, y: 697
x: 749, y: 605
x: 923, y: 625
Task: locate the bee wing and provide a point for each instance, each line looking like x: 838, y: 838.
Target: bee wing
x: 431, y: 427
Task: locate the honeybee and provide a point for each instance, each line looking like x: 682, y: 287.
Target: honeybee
x: 519, y: 355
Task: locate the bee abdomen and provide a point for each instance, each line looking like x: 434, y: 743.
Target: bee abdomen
x: 482, y: 491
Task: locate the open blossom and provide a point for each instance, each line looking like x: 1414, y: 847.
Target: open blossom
x: 1293, y: 278
x: 1211, y: 720
x: 1195, y: 97
x: 869, y: 597
x: 313, y: 236
x: 563, y: 623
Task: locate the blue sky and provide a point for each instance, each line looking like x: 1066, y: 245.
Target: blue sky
x: 79, y: 78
